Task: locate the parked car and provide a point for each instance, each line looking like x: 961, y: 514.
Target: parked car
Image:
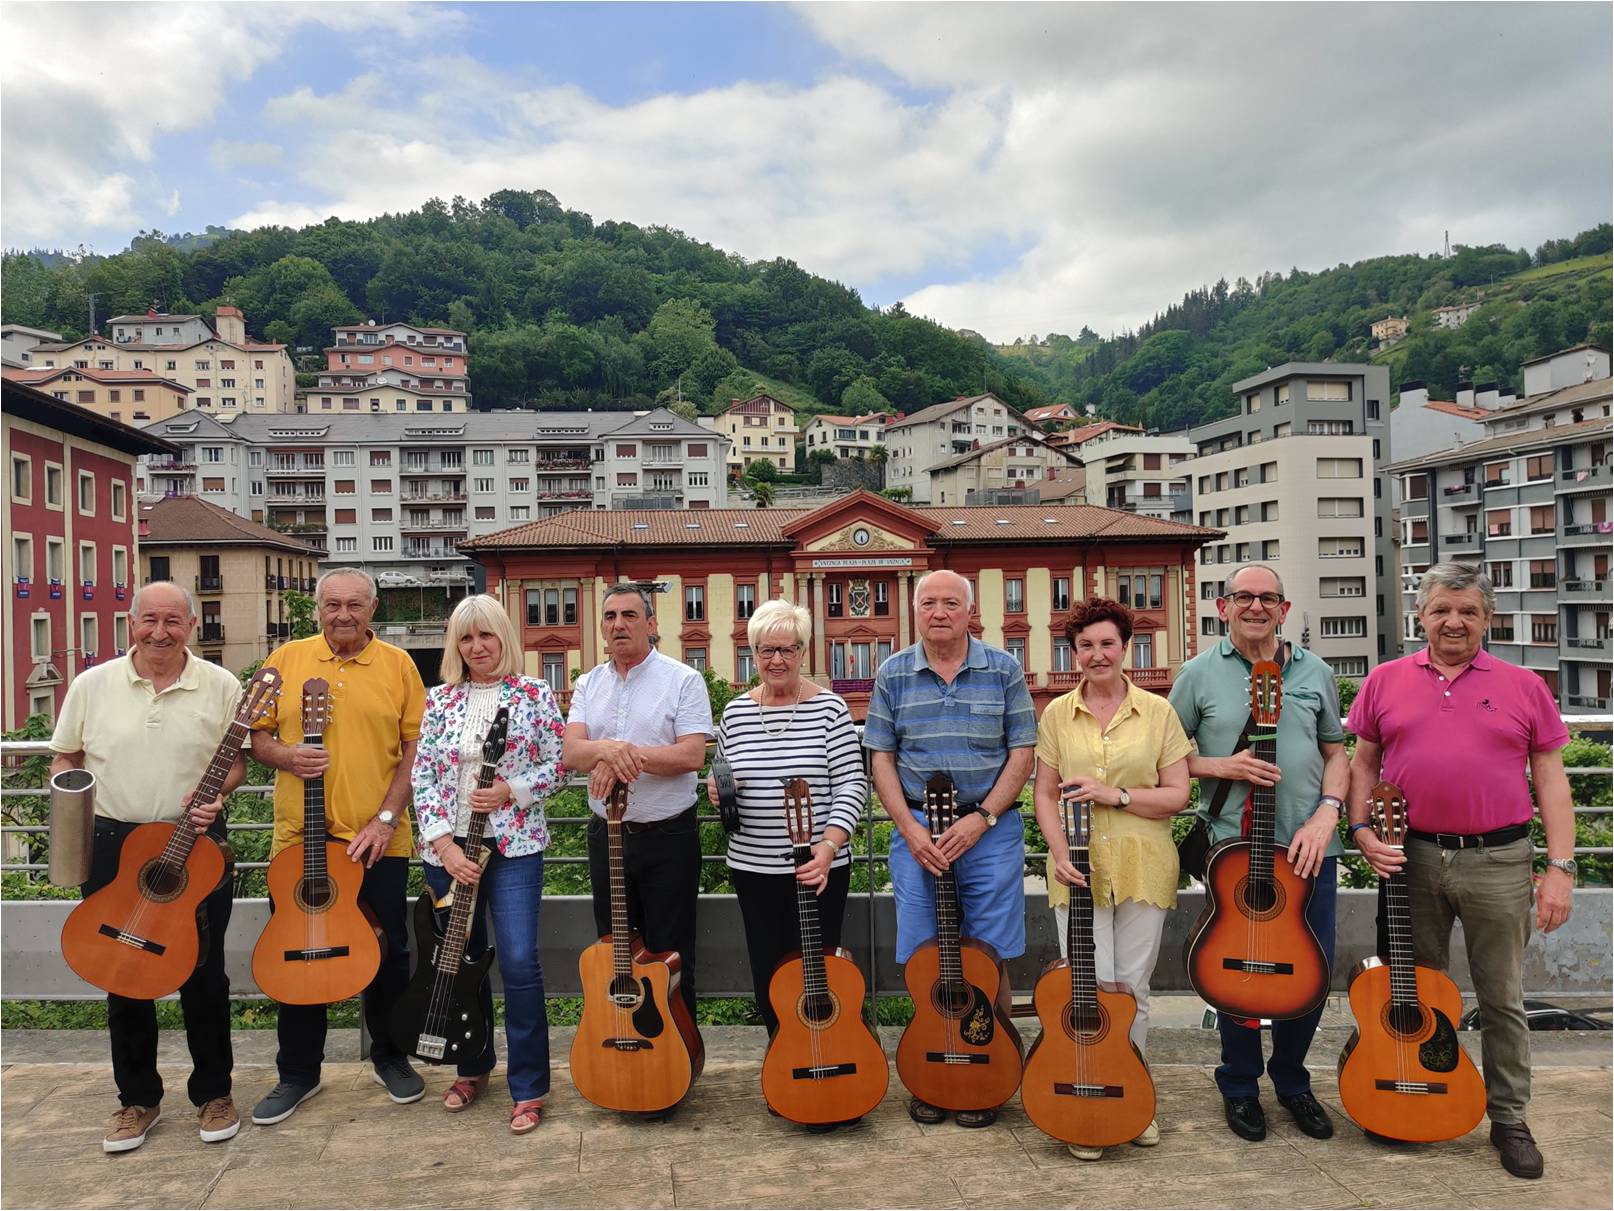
x: 1544, y: 1015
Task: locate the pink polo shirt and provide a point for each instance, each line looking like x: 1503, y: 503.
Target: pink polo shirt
x: 1458, y: 749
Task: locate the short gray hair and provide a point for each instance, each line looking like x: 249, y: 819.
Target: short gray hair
x: 637, y: 589
x: 779, y: 615
x: 134, y: 604
x: 1458, y: 577
x: 919, y: 586
x: 1256, y: 567
x: 319, y: 586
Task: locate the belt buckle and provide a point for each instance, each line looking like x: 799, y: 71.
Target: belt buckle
x: 1461, y: 841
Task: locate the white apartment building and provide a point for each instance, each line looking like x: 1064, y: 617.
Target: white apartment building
x: 914, y: 444
x: 1012, y: 470
x: 159, y: 328
x: 1296, y: 479
x: 1138, y: 472
x: 17, y: 343
x: 847, y: 436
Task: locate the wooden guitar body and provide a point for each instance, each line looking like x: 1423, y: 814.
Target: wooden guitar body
x: 1284, y: 974
x: 1086, y: 1083
x: 1403, y: 1073
x: 138, y: 937
x: 456, y: 1031
x: 961, y: 1051
x: 321, y: 944
x: 824, y: 1064
x: 636, y: 1047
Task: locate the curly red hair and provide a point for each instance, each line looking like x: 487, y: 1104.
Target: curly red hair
x: 1095, y: 610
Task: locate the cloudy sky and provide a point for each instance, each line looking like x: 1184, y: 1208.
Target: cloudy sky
x: 1012, y: 169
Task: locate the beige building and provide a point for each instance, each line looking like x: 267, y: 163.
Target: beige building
x: 1014, y: 465
x: 1136, y: 471
x: 129, y: 396
x: 931, y: 436
x: 385, y: 391
x: 759, y: 428
x: 847, y: 436
x: 237, y: 570
x: 1390, y: 329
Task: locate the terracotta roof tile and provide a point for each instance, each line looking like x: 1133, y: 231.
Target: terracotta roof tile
x: 190, y: 519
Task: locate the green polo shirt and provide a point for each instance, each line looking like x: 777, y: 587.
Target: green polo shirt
x: 1212, y: 698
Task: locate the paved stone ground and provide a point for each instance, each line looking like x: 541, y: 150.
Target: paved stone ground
x: 349, y: 1147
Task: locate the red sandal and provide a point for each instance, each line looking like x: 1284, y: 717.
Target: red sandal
x: 525, y: 1116
x: 463, y: 1092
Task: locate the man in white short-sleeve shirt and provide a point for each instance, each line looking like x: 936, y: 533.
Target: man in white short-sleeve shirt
x: 642, y: 719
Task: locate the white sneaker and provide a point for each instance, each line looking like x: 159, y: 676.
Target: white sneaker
x: 1085, y: 1154
x: 1150, y: 1136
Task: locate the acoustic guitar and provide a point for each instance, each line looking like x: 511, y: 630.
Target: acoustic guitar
x: 1252, y: 953
x: 320, y: 944
x: 636, y: 1047
x: 1086, y: 1083
x: 960, y: 1051
x: 824, y: 1064
x: 1402, y: 1073
x: 438, y: 1017
x: 141, y: 935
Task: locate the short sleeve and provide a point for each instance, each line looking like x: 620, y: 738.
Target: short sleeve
x: 579, y: 711
x: 694, y: 707
x: 1047, y: 741
x: 879, y: 726
x: 1548, y: 733
x: 269, y: 720
x: 1330, y: 729
x: 69, y: 734
x: 1185, y: 700
x: 1019, y: 715
x: 1364, y: 710
x: 414, y: 702
x: 1174, y: 744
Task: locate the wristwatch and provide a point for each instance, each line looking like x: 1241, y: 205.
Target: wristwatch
x: 1333, y: 801
x: 388, y: 817
x: 1567, y: 865
x: 986, y: 815
x: 1126, y: 799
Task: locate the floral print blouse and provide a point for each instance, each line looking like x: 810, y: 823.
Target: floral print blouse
x: 531, y: 765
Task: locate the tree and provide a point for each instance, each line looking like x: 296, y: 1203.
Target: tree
x: 762, y: 470
x: 762, y: 492
x: 863, y: 396
x: 680, y: 332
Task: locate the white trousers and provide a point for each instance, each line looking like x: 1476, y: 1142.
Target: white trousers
x: 1126, y: 943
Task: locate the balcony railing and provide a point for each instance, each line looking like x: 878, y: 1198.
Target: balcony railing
x: 169, y: 464
x: 1467, y: 540
x: 1598, y: 588
x: 295, y: 498
x: 1590, y: 701
x: 307, y: 472
x: 210, y: 584
x: 434, y: 525
x: 1577, y: 479
x: 1587, y: 642
x: 1452, y: 491
x: 568, y: 494
x: 548, y: 466
x: 433, y: 498
x: 212, y: 632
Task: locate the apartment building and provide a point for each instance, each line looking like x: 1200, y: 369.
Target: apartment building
x: 158, y: 328
x: 1075, y: 439
x: 115, y: 394
x: 397, y: 493
x: 916, y: 443
x: 847, y: 436
x: 1454, y: 316
x: 999, y: 472
x: 1136, y: 471
x: 384, y: 391
x: 238, y: 570
x: 18, y: 341
x: 1390, y: 329
x: 1296, y: 478
x: 361, y: 348
x: 1530, y: 503
x: 759, y: 428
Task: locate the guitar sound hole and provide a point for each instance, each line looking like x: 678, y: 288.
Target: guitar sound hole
x: 818, y: 1009
x: 1260, y: 901
x: 315, y: 894
x: 952, y: 1000
x: 160, y: 881
x: 1405, y: 1021
x: 1087, y: 1024
x: 624, y: 991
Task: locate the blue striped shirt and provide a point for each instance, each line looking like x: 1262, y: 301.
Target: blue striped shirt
x: 964, y: 729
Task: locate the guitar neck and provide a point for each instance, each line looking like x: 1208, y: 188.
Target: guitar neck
x: 1263, y: 810
x: 458, y: 927
x: 1079, y: 940
x: 1398, y: 921
x: 949, y: 958
x: 183, y: 838
x: 314, y: 819
x: 621, y: 950
x: 814, y: 981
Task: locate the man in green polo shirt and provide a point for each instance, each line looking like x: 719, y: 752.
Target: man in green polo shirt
x: 1212, y: 698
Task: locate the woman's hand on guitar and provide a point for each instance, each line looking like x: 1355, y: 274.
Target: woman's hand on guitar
x: 1090, y: 790
x: 490, y: 798
x: 816, y: 872
x: 460, y: 868
x: 1065, y: 871
x: 1245, y: 766
x: 202, y: 814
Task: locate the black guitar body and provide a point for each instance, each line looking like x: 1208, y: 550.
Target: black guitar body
x: 454, y: 1031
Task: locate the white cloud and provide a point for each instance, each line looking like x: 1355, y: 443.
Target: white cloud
x: 170, y: 204
x: 230, y: 154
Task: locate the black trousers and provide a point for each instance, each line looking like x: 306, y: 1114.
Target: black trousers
x: 662, y: 870
x: 773, y: 928
x: 301, y: 1028
x: 204, y: 999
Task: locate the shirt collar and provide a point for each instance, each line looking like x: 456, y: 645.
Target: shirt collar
x: 1296, y: 652
x: 1482, y: 659
x: 364, y: 657
x: 1128, y: 703
x: 974, y: 656
x: 190, y: 675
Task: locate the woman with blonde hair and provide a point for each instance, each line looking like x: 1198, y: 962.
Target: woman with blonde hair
x: 481, y: 671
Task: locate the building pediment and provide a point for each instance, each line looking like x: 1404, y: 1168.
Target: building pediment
x: 836, y: 526
x: 859, y: 536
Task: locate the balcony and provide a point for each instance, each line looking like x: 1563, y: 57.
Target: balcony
x: 414, y: 472
x: 1467, y: 540
x: 305, y: 472
x: 1585, y: 479
x: 1587, y: 643
x: 434, y: 526
x: 1456, y: 493
x: 554, y: 466
x: 279, y: 496
x: 434, y: 498
x: 210, y: 584
x: 1588, y: 591
x: 1150, y: 679
x: 564, y: 494
x: 1589, y: 702
x: 159, y: 466
x: 212, y: 632
x: 1064, y: 679
x: 1585, y: 533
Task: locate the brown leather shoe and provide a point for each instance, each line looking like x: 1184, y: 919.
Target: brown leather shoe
x: 1520, y: 1156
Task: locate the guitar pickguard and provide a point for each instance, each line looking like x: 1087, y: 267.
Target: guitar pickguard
x: 1441, y: 1050
x: 978, y: 1025
x: 647, y: 1019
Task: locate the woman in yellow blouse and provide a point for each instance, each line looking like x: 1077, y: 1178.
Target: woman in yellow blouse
x: 1122, y: 750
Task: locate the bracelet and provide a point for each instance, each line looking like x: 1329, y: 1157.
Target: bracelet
x: 1333, y: 801
x: 1351, y: 831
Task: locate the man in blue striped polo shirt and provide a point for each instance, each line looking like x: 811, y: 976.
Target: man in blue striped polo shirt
x: 952, y: 705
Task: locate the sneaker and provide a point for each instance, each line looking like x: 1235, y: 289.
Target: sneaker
x: 1085, y: 1154
x: 128, y: 1128
x: 1150, y: 1135
x: 282, y: 1100
x: 217, y: 1119
x: 403, y: 1083
x: 1520, y: 1156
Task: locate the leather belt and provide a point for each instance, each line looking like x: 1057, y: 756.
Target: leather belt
x: 646, y: 826
x: 1500, y: 836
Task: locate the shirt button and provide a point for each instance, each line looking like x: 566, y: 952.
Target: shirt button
x: 1448, y: 692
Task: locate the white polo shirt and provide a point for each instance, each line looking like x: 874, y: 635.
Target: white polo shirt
x: 147, y: 750
x: 658, y: 701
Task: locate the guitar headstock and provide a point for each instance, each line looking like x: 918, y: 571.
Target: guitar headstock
x: 616, y: 804
x: 260, y: 696
x: 1077, y: 815
x: 798, y: 811
x: 1388, y: 807
x: 1266, y: 692
x: 941, y: 804
x: 316, y: 706
x: 493, y: 743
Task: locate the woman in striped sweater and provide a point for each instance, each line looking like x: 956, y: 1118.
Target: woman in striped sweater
x: 788, y: 727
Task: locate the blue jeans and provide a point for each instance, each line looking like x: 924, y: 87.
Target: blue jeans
x: 511, y: 891
x: 1241, y: 1064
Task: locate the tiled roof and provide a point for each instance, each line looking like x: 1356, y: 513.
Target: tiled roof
x: 1451, y: 409
x: 49, y: 374
x: 137, y: 347
x: 1049, y: 411
x: 152, y: 319
x: 1075, y: 437
x: 937, y: 411
x: 1575, y: 393
x: 1523, y: 439
x: 190, y: 519
x: 958, y: 460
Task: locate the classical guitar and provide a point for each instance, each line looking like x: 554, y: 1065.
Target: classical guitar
x: 824, y: 1064
x: 961, y: 1051
x: 141, y: 935
x: 1402, y: 1073
x: 439, y: 1016
x: 1086, y: 1083
x: 1252, y: 954
x: 321, y: 944
x: 636, y: 1047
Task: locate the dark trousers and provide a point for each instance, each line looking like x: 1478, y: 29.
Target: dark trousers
x: 773, y: 927
x: 204, y: 999
x: 662, y: 871
x: 1241, y: 1065
x: 301, y: 1028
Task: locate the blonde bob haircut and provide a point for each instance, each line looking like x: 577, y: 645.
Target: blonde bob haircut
x: 778, y: 615
x: 479, y: 612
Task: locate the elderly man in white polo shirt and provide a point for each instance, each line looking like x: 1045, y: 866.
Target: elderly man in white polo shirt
x: 147, y: 726
x: 643, y: 718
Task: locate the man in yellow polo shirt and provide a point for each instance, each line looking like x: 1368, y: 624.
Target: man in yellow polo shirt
x: 377, y: 699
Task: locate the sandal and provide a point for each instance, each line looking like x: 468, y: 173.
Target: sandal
x: 976, y: 1118
x: 525, y: 1116
x: 463, y: 1092
x: 924, y: 1112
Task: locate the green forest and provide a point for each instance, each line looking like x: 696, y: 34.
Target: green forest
x: 567, y: 312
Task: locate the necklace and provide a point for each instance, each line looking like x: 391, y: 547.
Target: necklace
x: 788, y: 722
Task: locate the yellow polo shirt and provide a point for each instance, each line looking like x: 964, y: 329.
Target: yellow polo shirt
x: 1132, y: 858
x: 147, y: 750
x: 377, y: 699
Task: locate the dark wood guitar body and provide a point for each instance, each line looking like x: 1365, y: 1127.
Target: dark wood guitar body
x: 140, y: 936
x: 1403, y: 1074
x: 438, y: 1017
x: 961, y: 1051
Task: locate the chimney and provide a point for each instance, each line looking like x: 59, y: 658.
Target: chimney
x: 1414, y: 394
x: 1465, y: 395
x: 151, y: 313
x: 1485, y: 396
x: 1505, y: 397
x: 231, y: 325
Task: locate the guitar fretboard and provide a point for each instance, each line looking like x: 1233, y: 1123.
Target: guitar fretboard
x: 813, y: 980
x: 1263, y: 811
x: 458, y: 928
x: 314, y: 869
x: 183, y: 839
x: 621, y: 951
x: 1079, y: 941
x: 940, y: 814
x: 1403, y: 968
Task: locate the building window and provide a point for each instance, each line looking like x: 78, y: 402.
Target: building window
x: 1339, y: 468
x: 695, y: 658
x: 53, y: 486
x: 1349, y: 666
x: 120, y: 500
x: 745, y: 600
x: 159, y: 569
x: 347, y: 517
x: 1543, y: 574
x: 1342, y: 586
x: 86, y: 493
x: 341, y: 458
x: 1347, y: 627
x: 1016, y: 647
x: 1062, y: 656
x: 86, y: 561
x: 1339, y: 506
x: 1537, y: 467
x: 1335, y: 392
x: 481, y: 485
x: 120, y: 565
x: 1014, y: 597
x: 381, y: 543
x: 1498, y: 523
x: 39, y: 637
x: 1143, y: 650
x: 1061, y: 593
x: 694, y: 603
x: 555, y: 670
x: 22, y: 479
x: 485, y: 512
x: 481, y: 458
x: 1339, y: 548
x: 1543, y: 628
x: 1502, y: 628
x: 1501, y: 573
x: 1541, y: 519
x: 551, y: 607
x: 346, y: 546
x: 1498, y: 475
x: 834, y: 606
x: 745, y: 664
x: 22, y: 556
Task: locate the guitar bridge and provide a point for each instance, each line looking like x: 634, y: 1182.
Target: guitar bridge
x: 956, y: 1057
x: 316, y: 952
x: 1411, y: 1086
x: 629, y: 1044
x: 431, y: 1047
x: 1260, y: 967
x: 819, y: 1071
x: 1072, y: 1089
x: 132, y: 939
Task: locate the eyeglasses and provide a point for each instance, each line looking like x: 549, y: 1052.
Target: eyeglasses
x: 1241, y: 599
x: 784, y: 653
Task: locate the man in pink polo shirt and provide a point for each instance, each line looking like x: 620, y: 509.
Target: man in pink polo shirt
x: 1455, y: 728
